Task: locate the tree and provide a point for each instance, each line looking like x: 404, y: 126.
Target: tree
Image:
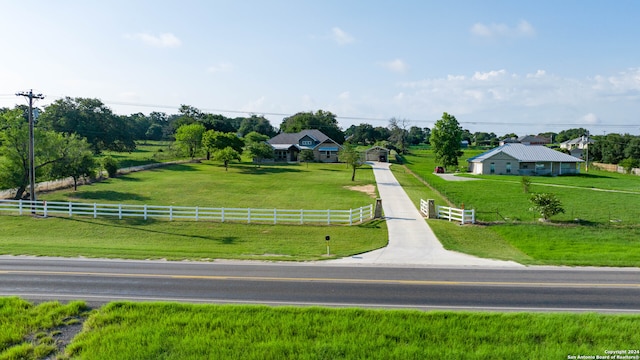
x: 154, y: 132
x: 570, y: 134
x: 445, y: 140
x: 398, y: 137
x: 78, y: 161
x: 324, y: 121
x: 50, y: 147
x: 416, y: 135
x: 215, y: 140
x: 189, y: 137
x: 546, y: 204
x: 90, y: 119
x: 258, y: 147
x: 349, y: 155
x: 226, y: 155
x: 307, y: 156
x: 256, y: 124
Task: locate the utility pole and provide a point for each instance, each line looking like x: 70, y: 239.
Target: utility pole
x: 32, y: 167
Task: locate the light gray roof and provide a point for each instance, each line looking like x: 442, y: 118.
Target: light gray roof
x: 294, y: 138
x: 580, y: 140
x: 527, y: 153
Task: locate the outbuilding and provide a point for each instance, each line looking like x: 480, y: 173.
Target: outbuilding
x: 377, y: 153
x: 519, y: 159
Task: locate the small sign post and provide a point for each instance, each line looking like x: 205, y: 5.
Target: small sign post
x: 327, y: 238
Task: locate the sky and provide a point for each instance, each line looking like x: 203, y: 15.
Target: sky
x: 522, y: 67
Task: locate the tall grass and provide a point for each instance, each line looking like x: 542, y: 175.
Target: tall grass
x: 173, y: 331
x: 26, y: 330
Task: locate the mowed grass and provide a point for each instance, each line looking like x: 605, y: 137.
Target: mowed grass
x: 27, y: 331
x: 177, y: 331
x: 146, y: 152
x: 208, y: 184
x: 180, y: 240
x: 600, y: 227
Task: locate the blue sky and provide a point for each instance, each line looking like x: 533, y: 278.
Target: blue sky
x: 501, y: 66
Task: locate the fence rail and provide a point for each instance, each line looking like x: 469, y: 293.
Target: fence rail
x: 450, y: 213
x: 248, y: 215
x: 462, y: 215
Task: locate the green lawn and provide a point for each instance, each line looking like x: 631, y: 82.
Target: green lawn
x: 599, y: 228
x: 318, y: 186
x: 177, y: 331
x: 146, y: 152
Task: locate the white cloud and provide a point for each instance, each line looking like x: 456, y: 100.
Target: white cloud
x: 165, y: 40
x: 344, y: 95
x: 488, y: 75
x: 591, y: 119
x: 397, y: 66
x: 220, y: 68
x: 341, y: 37
x: 537, y: 75
x: 494, y: 31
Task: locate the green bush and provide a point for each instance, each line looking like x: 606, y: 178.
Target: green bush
x: 111, y: 165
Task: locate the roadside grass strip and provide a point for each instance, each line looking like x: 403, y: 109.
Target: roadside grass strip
x: 184, y: 240
x: 178, y: 331
x: 28, y: 331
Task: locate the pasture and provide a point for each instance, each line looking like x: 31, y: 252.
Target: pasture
x: 600, y: 226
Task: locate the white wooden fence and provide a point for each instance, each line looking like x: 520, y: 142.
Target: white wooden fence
x: 462, y: 215
x: 273, y: 216
x: 449, y: 213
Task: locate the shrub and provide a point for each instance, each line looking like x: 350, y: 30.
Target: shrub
x: 111, y: 165
x: 526, y: 183
x: 546, y: 204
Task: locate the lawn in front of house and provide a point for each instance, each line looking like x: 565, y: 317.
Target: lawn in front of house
x: 598, y: 228
x: 318, y: 186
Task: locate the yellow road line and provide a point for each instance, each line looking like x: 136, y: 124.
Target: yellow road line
x: 331, y: 280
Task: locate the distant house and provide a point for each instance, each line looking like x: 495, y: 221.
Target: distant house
x: 377, y: 153
x: 527, y: 140
x: 287, y: 146
x: 576, y: 146
x: 519, y: 159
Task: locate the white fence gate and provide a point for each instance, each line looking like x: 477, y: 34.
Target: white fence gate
x: 273, y: 216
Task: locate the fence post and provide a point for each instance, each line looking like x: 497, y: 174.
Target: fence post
x: 329, y: 216
x: 44, y: 203
x: 20, y: 206
x: 222, y: 214
x: 145, y: 211
x: 275, y: 216
x: 473, y: 216
x: 249, y: 216
x: 350, y: 216
x: 95, y: 210
x: 196, y: 213
x: 450, y: 214
x: 301, y: 216
x: 120, y: 211
x: 170, y: 212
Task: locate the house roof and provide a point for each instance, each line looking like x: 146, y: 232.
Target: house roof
x: 580, y: 140
x: 294, y: 138
x: 526, y: 153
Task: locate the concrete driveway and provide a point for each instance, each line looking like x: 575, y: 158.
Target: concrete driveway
x: 411, y: 240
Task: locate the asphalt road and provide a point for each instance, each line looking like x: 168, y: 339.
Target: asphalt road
x: 522, y: 289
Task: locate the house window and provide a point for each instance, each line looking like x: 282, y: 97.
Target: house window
x: 508, y: 168
x: 328, y: 154
x: 492, y: 168
x: 307, y: 142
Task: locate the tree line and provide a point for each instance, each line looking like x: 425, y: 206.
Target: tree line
x: 70, y: 130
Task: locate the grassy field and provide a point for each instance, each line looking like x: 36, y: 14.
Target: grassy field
x: 176, y: 331
x: 600, y: 227
x: 28, y: 331
x: 146, y: 152
x: 317, y: 186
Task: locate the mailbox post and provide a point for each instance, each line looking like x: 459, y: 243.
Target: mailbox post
x: 327, y: 238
